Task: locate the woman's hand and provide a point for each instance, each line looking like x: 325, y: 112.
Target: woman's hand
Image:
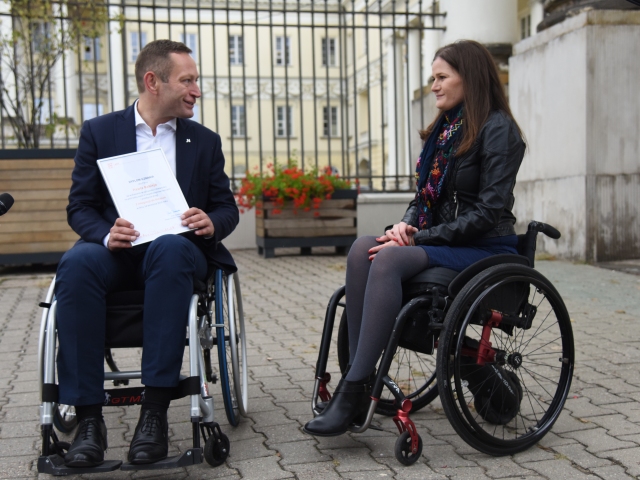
x: 386, y: 244
x: 400, y: 233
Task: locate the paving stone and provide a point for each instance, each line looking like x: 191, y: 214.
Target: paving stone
x: 596, y: 440
x: 558, y: 468
x: 314, y: 471
x: 613, y: 472
x: 301, y: 451
x: 628, y: 458
x: 616, y: 425
x: 265, y: 468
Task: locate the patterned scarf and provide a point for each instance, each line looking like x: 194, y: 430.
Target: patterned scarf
x: 434, y: 162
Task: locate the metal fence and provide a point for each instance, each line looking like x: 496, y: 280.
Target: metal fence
x: 325, y: 83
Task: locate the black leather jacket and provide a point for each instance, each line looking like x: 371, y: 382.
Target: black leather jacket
x: 478, y: 197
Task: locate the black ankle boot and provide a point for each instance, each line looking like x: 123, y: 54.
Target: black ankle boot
x: 320, y: 406
x: 349, y: 404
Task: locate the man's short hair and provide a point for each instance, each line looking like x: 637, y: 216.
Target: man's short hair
x: 154, y: 57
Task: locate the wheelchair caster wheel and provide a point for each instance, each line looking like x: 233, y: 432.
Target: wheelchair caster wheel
x: 216, y: 449
x: 403, y: 449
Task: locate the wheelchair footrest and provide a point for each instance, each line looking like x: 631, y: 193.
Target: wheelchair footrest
x: 193, y: 456
x: 54, y: 465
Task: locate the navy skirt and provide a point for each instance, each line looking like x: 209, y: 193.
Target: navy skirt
x: 460, y: 257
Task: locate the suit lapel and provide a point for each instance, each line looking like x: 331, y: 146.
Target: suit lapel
x: 125, y: 132
x: 186, y: 148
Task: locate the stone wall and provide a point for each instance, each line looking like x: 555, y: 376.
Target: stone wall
x: 574, y: 91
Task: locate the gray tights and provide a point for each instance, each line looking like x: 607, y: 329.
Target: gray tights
x: 374, y: 299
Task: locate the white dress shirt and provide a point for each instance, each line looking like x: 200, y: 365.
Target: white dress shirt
x: 165, y: 138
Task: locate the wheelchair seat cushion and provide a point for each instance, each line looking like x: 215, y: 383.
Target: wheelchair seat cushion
x: 438, y: 275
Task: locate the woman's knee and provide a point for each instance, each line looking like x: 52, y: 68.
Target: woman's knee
x: 361, y: 247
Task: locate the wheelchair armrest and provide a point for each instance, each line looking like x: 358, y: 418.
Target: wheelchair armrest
x: 472, y: 270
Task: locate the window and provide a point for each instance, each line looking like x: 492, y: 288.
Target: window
x: 330, y: 121
x: 328, y: 52
x: 238, y: 122
x: 284, y: 122
x: 191, y: 41
x: 236, y: 52
x: 138, y: 41
x: 525, y: 27
x: 92, y: 49
x: 283, y: 51
x: 91, y: 110
x: 41, y: 36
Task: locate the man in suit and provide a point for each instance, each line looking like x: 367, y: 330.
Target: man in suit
x: 103, y: 260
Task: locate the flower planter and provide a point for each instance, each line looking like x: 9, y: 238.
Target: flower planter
x: 335, y: 225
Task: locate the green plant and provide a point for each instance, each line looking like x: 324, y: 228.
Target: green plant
x: 280, y: 184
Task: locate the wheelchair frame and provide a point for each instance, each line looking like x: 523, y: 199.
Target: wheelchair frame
x: 230, y: 338
x: 409, y: 444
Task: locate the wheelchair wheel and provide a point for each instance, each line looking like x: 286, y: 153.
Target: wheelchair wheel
x: 231, y: 345
x: 237, y: 341
x: 64, y: 418
x: 413, y: 372
x: 216, y: 450
x: 505, y: 404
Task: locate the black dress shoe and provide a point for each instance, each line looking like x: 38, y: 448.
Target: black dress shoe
x: 150, y: 441
x: 348, y: 405
x: 89, y: 444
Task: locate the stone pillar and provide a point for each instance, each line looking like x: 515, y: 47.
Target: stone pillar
x: 555, y: 11
x: 574, y: 91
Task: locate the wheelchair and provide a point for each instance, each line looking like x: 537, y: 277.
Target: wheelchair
x: 215, y: 319
x: 493, y: 341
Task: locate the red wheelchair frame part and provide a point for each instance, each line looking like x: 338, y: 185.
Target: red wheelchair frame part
x: 405, y: 424
x: 323, y: 392
x: 485, y: 352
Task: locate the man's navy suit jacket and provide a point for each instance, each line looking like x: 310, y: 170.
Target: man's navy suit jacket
x: 199, y: 171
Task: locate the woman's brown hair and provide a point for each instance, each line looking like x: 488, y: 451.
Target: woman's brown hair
x: 483, y: 91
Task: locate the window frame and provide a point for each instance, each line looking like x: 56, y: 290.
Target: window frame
x: 329, y: 52
x: 238, y: 121
x: 330, y: 126
x: 282, y: 54
x: 284, y: 121
x: 236, y: 50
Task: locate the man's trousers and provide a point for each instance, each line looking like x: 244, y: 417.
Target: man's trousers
x: 165, y: 268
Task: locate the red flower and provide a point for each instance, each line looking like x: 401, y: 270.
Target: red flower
x: 282, y: 183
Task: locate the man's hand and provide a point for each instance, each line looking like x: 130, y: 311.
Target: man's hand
x: 400, y: 233
x: 388, y: 243
x: 196, y: 218
x: 121, y: 235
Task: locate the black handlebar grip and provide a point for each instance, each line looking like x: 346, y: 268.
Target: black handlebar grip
x: 545, y: 228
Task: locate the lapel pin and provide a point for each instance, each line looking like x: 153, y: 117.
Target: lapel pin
x: 188, y: 140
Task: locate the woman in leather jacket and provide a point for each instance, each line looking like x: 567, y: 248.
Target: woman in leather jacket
x: 461, y: 213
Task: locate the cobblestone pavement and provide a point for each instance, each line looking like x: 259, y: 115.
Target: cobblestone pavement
x: 597, y: 435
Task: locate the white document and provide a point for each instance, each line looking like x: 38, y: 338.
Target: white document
x: 145, y: 192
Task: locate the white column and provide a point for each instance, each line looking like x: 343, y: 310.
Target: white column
x: 397, y: 162
x: 485, y: 21
x: 537, y: 14
x: 116, y: 69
